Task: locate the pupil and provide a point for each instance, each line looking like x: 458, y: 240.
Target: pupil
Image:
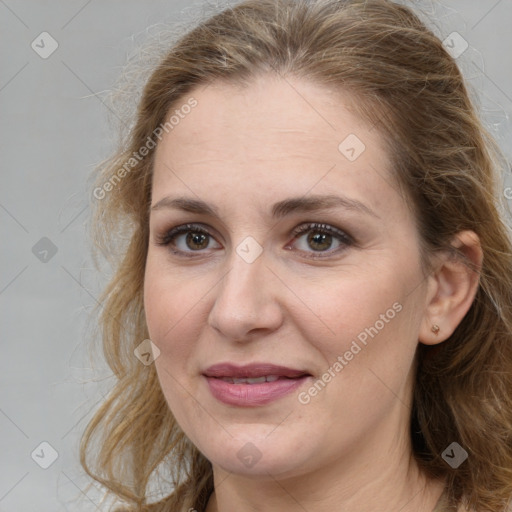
x: 197, y: 239
x: 320, y: 238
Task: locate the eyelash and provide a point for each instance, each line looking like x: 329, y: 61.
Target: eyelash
x: 168, y: 237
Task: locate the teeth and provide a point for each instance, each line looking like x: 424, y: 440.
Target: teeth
x: 253, y: 380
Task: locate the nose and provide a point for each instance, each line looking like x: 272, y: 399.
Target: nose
x: 246, y: 302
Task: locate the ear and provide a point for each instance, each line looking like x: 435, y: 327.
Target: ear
x: 452, y: 287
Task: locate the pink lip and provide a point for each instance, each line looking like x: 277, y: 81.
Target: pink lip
x: 251, y: 370
x: 247, y: 395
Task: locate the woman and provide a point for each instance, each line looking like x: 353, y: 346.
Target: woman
x: 317, y: 255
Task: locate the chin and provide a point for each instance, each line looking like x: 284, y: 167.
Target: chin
x: 256, y: 454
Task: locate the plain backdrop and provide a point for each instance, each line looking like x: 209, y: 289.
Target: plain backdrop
x: 55, y: 129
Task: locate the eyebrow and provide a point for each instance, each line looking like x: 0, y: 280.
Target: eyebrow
x: 280, y: 209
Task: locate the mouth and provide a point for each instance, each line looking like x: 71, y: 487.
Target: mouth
x: 253, y: 371
x: 255, y: 380
x: 251, y: 385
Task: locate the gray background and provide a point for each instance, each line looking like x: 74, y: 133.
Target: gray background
x: 54, y: 131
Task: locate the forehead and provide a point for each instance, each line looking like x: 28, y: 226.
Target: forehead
x: 270, y: 106
x: 274, y: 136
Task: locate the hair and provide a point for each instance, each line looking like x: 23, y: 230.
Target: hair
x: 448, y: 167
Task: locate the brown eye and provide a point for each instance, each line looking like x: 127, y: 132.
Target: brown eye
x: 319, y: 238
x: 314, y: 239
x: 196, y: 241
x: 319, y: 241
x: 187, y: 239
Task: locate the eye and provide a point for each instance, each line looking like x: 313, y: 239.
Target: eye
x: 187, y: 239
x: 320, y: 238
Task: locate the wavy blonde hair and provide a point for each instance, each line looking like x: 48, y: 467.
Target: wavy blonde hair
x: 411, y: 89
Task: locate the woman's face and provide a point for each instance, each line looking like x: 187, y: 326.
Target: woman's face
x: 341, y: 302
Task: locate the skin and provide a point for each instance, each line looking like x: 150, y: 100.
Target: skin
x: 242, y: 150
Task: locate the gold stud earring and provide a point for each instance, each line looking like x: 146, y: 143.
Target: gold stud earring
x: 435, y: 329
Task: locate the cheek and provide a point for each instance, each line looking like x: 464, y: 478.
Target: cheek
x: 348, y: 305
x: 368, y: 360
x: 371, y: 321
x: 170, y: 307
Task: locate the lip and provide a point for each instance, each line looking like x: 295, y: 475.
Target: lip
x: 252, y: 370
x: 250, y: 395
